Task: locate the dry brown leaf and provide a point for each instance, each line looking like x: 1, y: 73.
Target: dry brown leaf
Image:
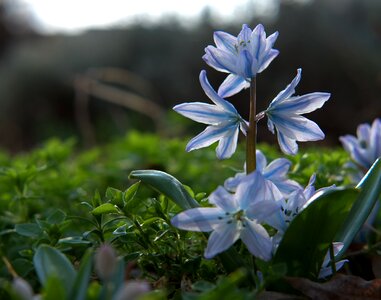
x: 340, y: 287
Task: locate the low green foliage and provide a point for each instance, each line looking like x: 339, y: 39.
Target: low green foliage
x: 58, y: 205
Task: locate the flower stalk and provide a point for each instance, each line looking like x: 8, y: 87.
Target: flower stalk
x: 251, y: 137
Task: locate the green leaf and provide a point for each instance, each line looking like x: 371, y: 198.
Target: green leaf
x: 29, y: 229
x: 49, y: 262
x: 130, y: 193
x: 167, y: 185
x: 57, y: 217
x: 105, y: 208
x: 370, y: 190
x: 309, y: 235
x: 82, y: 279
x: 115, y: 196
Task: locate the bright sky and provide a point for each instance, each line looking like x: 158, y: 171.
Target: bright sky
x: 76, y: 15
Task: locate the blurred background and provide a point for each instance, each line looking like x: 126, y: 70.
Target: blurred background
x: 97, y: 69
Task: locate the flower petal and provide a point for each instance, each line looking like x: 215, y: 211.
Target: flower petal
x: 278, y: 168
x: 288, y: 91
x: 223, y: 199
x: 245, y: 64
x: 303, y: 104
x: 267, y: 59
x: 257, y: 240
x: 225, y: 41
x: 287, y: 145
x: 228, y: 144
x: 221, y: 60
x: 199, y: 219
x: 209, y: 136
x: 221, y: 239
x: 297, y: 127
x: 232, y: 85
x: 261, y: 161
x: 203, y: 113
x: 211, y: 93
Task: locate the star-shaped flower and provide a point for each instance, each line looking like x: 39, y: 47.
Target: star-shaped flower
x: 243, y: 56
x: 366, y: 148
x: 284, y: 114
x: 236, y: 216
x: 276, y: 172
x: 223, y: 120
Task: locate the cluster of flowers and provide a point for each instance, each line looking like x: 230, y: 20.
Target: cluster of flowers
x: 266, y: 195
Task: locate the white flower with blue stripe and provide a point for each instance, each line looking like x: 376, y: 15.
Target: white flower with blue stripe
x: 284, y: 115
x: 222, y: 117
x: 243, y: 56
x: 236, y: 216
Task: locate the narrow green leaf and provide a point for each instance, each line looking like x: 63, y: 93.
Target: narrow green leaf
x: 370, y: 190
x: 105, y: 208
x: 49, y: 262
x: 167, y: 185
x: 309, y: 235
x: 115, y: 196
x: 82, y: 279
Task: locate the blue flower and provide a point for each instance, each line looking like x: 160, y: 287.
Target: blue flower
x: 366, y: 148
x: 236, y: 216
x: 284, y: 114
x: 276, y: 172
x: 243, y: 56
x: 223, y: 120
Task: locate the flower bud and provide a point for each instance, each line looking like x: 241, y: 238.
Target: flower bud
x: 105, y: 261
x: 132, y: 290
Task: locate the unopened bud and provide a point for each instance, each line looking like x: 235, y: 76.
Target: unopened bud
x: 132, y: 290
x: 22, y: 288
x: 105, y: 261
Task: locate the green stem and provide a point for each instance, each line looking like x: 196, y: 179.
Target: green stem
x: 251, y: 138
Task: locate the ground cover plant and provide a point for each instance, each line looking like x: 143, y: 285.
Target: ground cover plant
x: 125, y: 221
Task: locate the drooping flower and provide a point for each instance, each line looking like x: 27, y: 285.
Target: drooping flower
x: 326, y: 269
x: 366, y: 148
x: 236, y: 216
x: 223, y: 120
x: 243, y: 56
x: 284, y: 114
x: 276, y: 172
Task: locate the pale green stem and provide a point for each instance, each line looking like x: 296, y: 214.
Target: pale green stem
x: 251, y: 137
x: 332, y: 258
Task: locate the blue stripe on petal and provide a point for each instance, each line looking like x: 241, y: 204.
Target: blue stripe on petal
x: 228, y: 144
x: 232, y: 85
x: 297, y: 127
x: 288, y: 91
x: 302, y: 104
x: 203, y: 113
x: 267, y: 59
x: 225, y: 41
x: 199, y: 219
x: 278, y: 168
x: 223, y: 199
x: 221, y: 239
x: 209, y: 136
x: 257, y: 240
x: 287, y: 145
x: 220, y: 59
x: 211, y: 93
x: 244, y: 64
